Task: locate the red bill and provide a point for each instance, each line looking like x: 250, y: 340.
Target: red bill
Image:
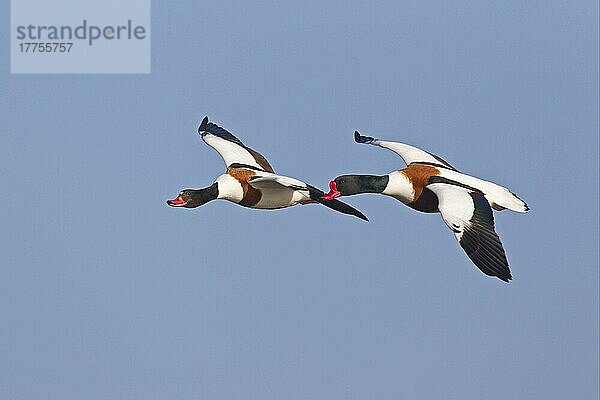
x: 333, y: 192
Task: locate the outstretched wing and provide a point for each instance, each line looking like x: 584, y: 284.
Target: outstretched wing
x: 231, y: 148
x: 469, y: 215
x: 409, y: 154
x: 275, y: 182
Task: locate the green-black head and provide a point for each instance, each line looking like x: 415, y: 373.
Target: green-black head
x: 348, y: 185
x: 192, y: 198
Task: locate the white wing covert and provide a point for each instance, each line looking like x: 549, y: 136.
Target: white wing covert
x: 409, y: 154
x: 231, y: 149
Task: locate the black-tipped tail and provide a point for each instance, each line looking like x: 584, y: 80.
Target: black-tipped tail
x: 358, y: 138
x: 525, y: 206
x: 336, y: 205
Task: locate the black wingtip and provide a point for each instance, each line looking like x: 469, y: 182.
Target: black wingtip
x: 337, y: 205
x: 358, y: 138
x: 203, y: 124
x: 347, y: 210
x: 358, y: 214
x: 342, y: 207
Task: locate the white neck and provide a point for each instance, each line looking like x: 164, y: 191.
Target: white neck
x: 400, y: 188
x: 229, y: 188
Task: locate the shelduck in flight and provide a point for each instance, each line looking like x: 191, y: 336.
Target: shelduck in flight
x: 429, y: 184
x: 250, y: 180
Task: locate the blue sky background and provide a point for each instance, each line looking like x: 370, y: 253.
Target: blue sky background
x: 106, y: 292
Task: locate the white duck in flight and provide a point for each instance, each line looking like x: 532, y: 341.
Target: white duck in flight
x: 250, y: 180
x: 429, y: 184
